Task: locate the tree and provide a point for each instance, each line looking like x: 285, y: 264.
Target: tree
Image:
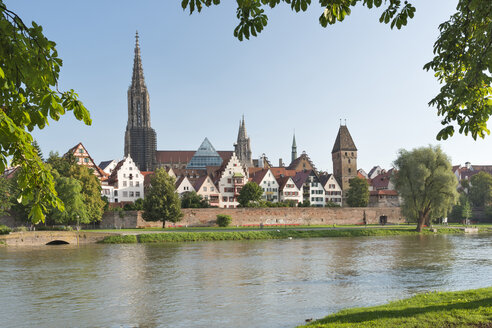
x: 481, y: 189
x: 161, y: 201
x: 193, y: 200
x: 462, y: 61
x: 426, y: 183
x: 29, y: 97
x: 462, y: 210
x: 250, y: 193
x: 358, y: 194
x: 5, y: 199
x: 75, y: 210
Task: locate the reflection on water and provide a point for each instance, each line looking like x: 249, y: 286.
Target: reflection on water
x: 229, y: 283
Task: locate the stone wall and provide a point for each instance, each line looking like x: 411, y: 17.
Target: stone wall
x: 38, y: 238
x: 255, y: 216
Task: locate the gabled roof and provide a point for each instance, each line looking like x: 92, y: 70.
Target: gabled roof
x: 296, y: 162
x: 282, y: 171
x: 101, y: 174
x: 301, y: 177
x: 114, y: 175
x: 258, y: 176
x: 324, y: 179
x: 374, y: 169
x: 282, y: 181
x: 199, y: 182
x: 104, y: 164
x: 381, y: 181
x: 344, y: 140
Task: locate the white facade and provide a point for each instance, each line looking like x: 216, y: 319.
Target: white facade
x: 270, y: 187
x: 183, y: 185
x: 316, y: 192
x: 206, y: 188
x: 108, y: 192
x: 110, y: 167
x: 290, y: 192
x: 232, y: 180
x: 129, y: 184
x: 333, y: 191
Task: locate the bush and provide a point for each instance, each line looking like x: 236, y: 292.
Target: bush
x: 20, y: 229
x: 223, y: 220
x: 120, y: 239
x: 4, y: 230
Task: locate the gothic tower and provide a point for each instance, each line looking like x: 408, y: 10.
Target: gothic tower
x: 243, y: 147
x: 294, y: 149
x: 140, y: 138
x: 344, y: 156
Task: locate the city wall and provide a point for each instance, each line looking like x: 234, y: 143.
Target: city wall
x: 255, y: 216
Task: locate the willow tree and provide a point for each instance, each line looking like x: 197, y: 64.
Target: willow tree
x: 463, y: 51
x: 29, y: 99
x: 425, y: 181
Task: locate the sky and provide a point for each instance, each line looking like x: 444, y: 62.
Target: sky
x: 295, y: 76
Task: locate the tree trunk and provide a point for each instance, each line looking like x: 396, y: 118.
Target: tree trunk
x: 163, y: 224
x: 420, y: 222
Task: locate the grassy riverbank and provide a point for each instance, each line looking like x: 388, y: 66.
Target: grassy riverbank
x: 470, y: 308
x: 267, y: 234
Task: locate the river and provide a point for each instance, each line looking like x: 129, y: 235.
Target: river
x: 273, y: 283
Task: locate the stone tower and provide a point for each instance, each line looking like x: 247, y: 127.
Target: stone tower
x: 140, y: 138
x: 242, y: 147
x: 294, y: 149
x: 344, y: 156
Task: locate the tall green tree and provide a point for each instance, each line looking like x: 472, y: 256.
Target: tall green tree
x: 249, y: 194
x: 70, y: 193
x: 91, y: 191
x: 481, y: 189
x: 358, y: 194
x: 462, y: 61
x: 426, y: 183
x: 5, y: 196
x: 161, y: 201
x: 29, y: 98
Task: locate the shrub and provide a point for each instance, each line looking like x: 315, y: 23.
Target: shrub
x: 120, y: 239
x: 223, y: 220
x: 4, y: 230
x: 20, y: 229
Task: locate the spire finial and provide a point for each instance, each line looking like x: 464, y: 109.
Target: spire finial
x: 340, y: 122
x: 345, y: 122
x: 136, y: 38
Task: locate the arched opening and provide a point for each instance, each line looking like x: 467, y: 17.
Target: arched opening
x: 58, y: 242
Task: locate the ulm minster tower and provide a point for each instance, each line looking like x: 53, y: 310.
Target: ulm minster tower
x: 140, y: 138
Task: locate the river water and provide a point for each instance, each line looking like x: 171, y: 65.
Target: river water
x: 277, y: 283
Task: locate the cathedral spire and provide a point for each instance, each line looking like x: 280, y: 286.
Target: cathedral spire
x: 138, y: 80
x: 294, y: 148
x: 242, y: 147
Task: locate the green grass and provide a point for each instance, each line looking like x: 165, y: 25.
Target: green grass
x: 470, y: 308
x: 121, y: 239
x: 267, y: 234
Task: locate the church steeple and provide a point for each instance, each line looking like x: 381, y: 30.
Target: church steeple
x: 140, y: 138
x: 294, y: 148
x: 243, y: 147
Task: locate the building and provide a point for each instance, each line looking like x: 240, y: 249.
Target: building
x: 301, y: 163
x: 231, y: 179
x: 206, y: 155
x: 108, y: 166
x: 312, y: 190
x: 206, y: 188
x: 344, y: 157
x: 183, y: 185
x: 333, y: 191
x: 242, y: 147
x: 83, y: 158
x: 127, y: 181
x: 140, y: 137
x: 288, y: 190
x: 266, y: 180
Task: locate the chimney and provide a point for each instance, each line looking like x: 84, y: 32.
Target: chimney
x: 280, y: 163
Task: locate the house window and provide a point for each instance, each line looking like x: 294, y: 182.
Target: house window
x: 136, y: 175
x: 212, y: 189
x: 131, y: 194
x: 224, y: 199
x: 204, y: 188
x: 116, y: 192
x: 131, y: 168
x: 124, y: 175
x: 124, y: 183
x: 137, y: 183
x: 81, y: 151
x: 229, y: 180
x: 86, y: 160
x: 131, y: 183
x: 231, y: 199
x: 137, y: 193
x: 125, y: 194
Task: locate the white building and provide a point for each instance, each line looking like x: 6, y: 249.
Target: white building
x: 127, y: 181
x: 333, y: 191
x: 312, y: 189
x: 108, y: 166
x: 232, y: 179
x: 266, y: 180
x: 183, y: 185
x: 288, y: 190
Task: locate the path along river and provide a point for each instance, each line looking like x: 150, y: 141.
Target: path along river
x: 277, y: 283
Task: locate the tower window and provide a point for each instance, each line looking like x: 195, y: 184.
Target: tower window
x: 349, y: 160
x: 345, y: 153
x: 350, y: 170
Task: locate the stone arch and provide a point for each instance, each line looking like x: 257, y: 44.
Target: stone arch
x: 58, y: 242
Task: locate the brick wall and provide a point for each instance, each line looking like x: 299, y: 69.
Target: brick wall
x: 255, y: 216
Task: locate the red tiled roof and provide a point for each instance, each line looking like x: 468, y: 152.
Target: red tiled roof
x: 382, y: 180
x: 258, y: 176
x: 384, y: 192
x: 279, y: 171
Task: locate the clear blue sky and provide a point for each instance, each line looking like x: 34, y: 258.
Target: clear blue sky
x: 295, y: 75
